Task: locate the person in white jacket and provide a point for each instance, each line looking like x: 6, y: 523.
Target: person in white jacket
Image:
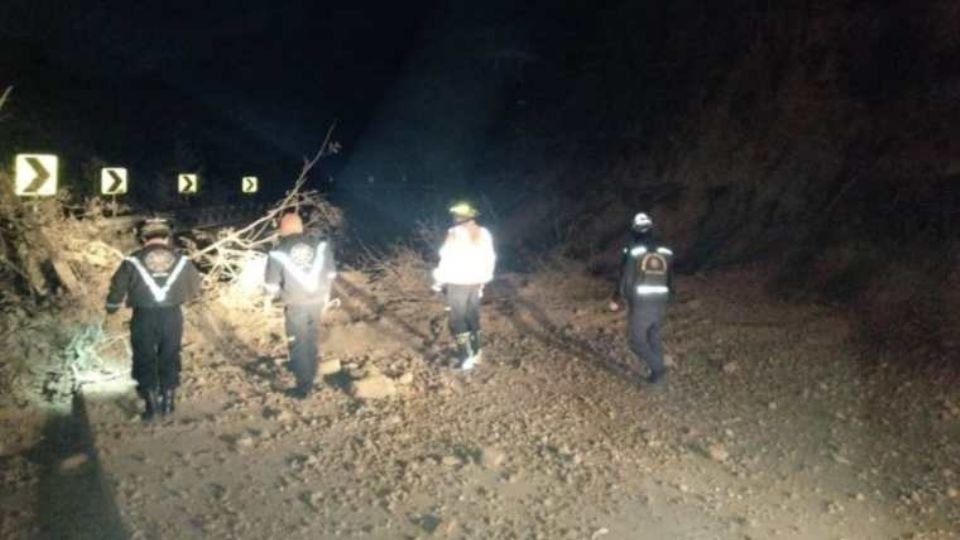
x: 467, y: 260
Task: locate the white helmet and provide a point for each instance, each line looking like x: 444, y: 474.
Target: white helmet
x: 642, y: 222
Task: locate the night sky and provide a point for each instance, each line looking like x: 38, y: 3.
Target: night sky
x: 250, y: 87
x: 506, y: 103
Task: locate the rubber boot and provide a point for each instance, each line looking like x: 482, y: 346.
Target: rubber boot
x: 151, y: 405
x: 168, y: 401
x: 658, y: 378
x: 465, y: 351
x: 299, y: 392
x: 475, y: 346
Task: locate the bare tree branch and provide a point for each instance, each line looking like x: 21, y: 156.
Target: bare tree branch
x: 6, y: 94
x: 233, y: 251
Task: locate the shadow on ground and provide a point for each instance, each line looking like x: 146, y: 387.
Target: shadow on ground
x: 513, y: 304
x: 75, y: 502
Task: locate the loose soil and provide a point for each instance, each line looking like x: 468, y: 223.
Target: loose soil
x: 771, y: 426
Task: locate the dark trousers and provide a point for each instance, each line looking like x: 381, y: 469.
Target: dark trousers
x: 301, y: 322
x: 155, y: 334
x: 464, y: 302
x: 644, y: 323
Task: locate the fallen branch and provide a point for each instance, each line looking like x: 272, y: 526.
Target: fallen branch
x: 6, y: 94
x: 235, y: 251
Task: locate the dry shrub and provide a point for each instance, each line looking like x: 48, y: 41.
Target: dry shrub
x: 400, y: 272
x: 53, y: 338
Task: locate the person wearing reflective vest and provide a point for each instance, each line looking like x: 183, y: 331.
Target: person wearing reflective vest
x: 646, y: 283
x: 155, y: 281
x: 467, y: 261
x: 301, y: 269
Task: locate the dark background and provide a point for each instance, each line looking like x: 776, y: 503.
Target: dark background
x: 231, y: 88
x: 815, y: 138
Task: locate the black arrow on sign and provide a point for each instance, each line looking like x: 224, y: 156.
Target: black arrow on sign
x: 42, y: 175
x: 117, y: 181
x: 188, y: 184
x: 249, y: 184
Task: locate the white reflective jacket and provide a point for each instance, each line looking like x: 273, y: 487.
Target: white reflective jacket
x: 465, y: 260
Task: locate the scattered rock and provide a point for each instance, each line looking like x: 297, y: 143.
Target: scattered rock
x: 245, y: 441
x: 73, y: 462
x: 373, y: 387
x: 405, y: 379
x: 329, y: 367
x: 428, y: 522
x: 492, y: 458
x: 603, y: 531
x: 717, y: 452
x: 730, y: 367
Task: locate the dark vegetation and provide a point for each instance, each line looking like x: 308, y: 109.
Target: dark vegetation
x: 814, y: 137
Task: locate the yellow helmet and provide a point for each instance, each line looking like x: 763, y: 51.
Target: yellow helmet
x: 464, y: 210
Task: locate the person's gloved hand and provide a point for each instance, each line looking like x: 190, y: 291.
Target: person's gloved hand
x: 613, y: 306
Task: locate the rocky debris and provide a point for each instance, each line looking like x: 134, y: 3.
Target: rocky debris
x: 244, y: 441
x: 492, y: 457
x: 544, y: 448
x: 718, y: 452
x: 329, y: 367
x: 451, y: 461
x: 282, y: 416
x: 373, y: 387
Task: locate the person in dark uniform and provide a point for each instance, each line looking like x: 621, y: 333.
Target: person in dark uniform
x: 155, y: 281
x: 646, y: 284
x: 301, y: 269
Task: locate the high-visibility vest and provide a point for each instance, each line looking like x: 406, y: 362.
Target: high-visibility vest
x: 651, y: 269
x: 309, y: 279
x: 159, y: 293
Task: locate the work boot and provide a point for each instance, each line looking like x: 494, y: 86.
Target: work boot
x: 151, y: 405
x: 465, y: 352
x: 168, y: 401
x: 658, y: 378
x: 475, y: 346
x: 298, y: 392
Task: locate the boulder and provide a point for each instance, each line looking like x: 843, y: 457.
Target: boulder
x: 373, y: 387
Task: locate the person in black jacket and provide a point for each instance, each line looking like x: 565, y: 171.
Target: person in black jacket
x: 646, y: 283
x: 301, y: 269
x: 156, y: 281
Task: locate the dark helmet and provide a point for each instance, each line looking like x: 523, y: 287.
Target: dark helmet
x: 156, y: 227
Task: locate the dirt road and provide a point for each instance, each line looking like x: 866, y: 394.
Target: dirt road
x: 768, y: 428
